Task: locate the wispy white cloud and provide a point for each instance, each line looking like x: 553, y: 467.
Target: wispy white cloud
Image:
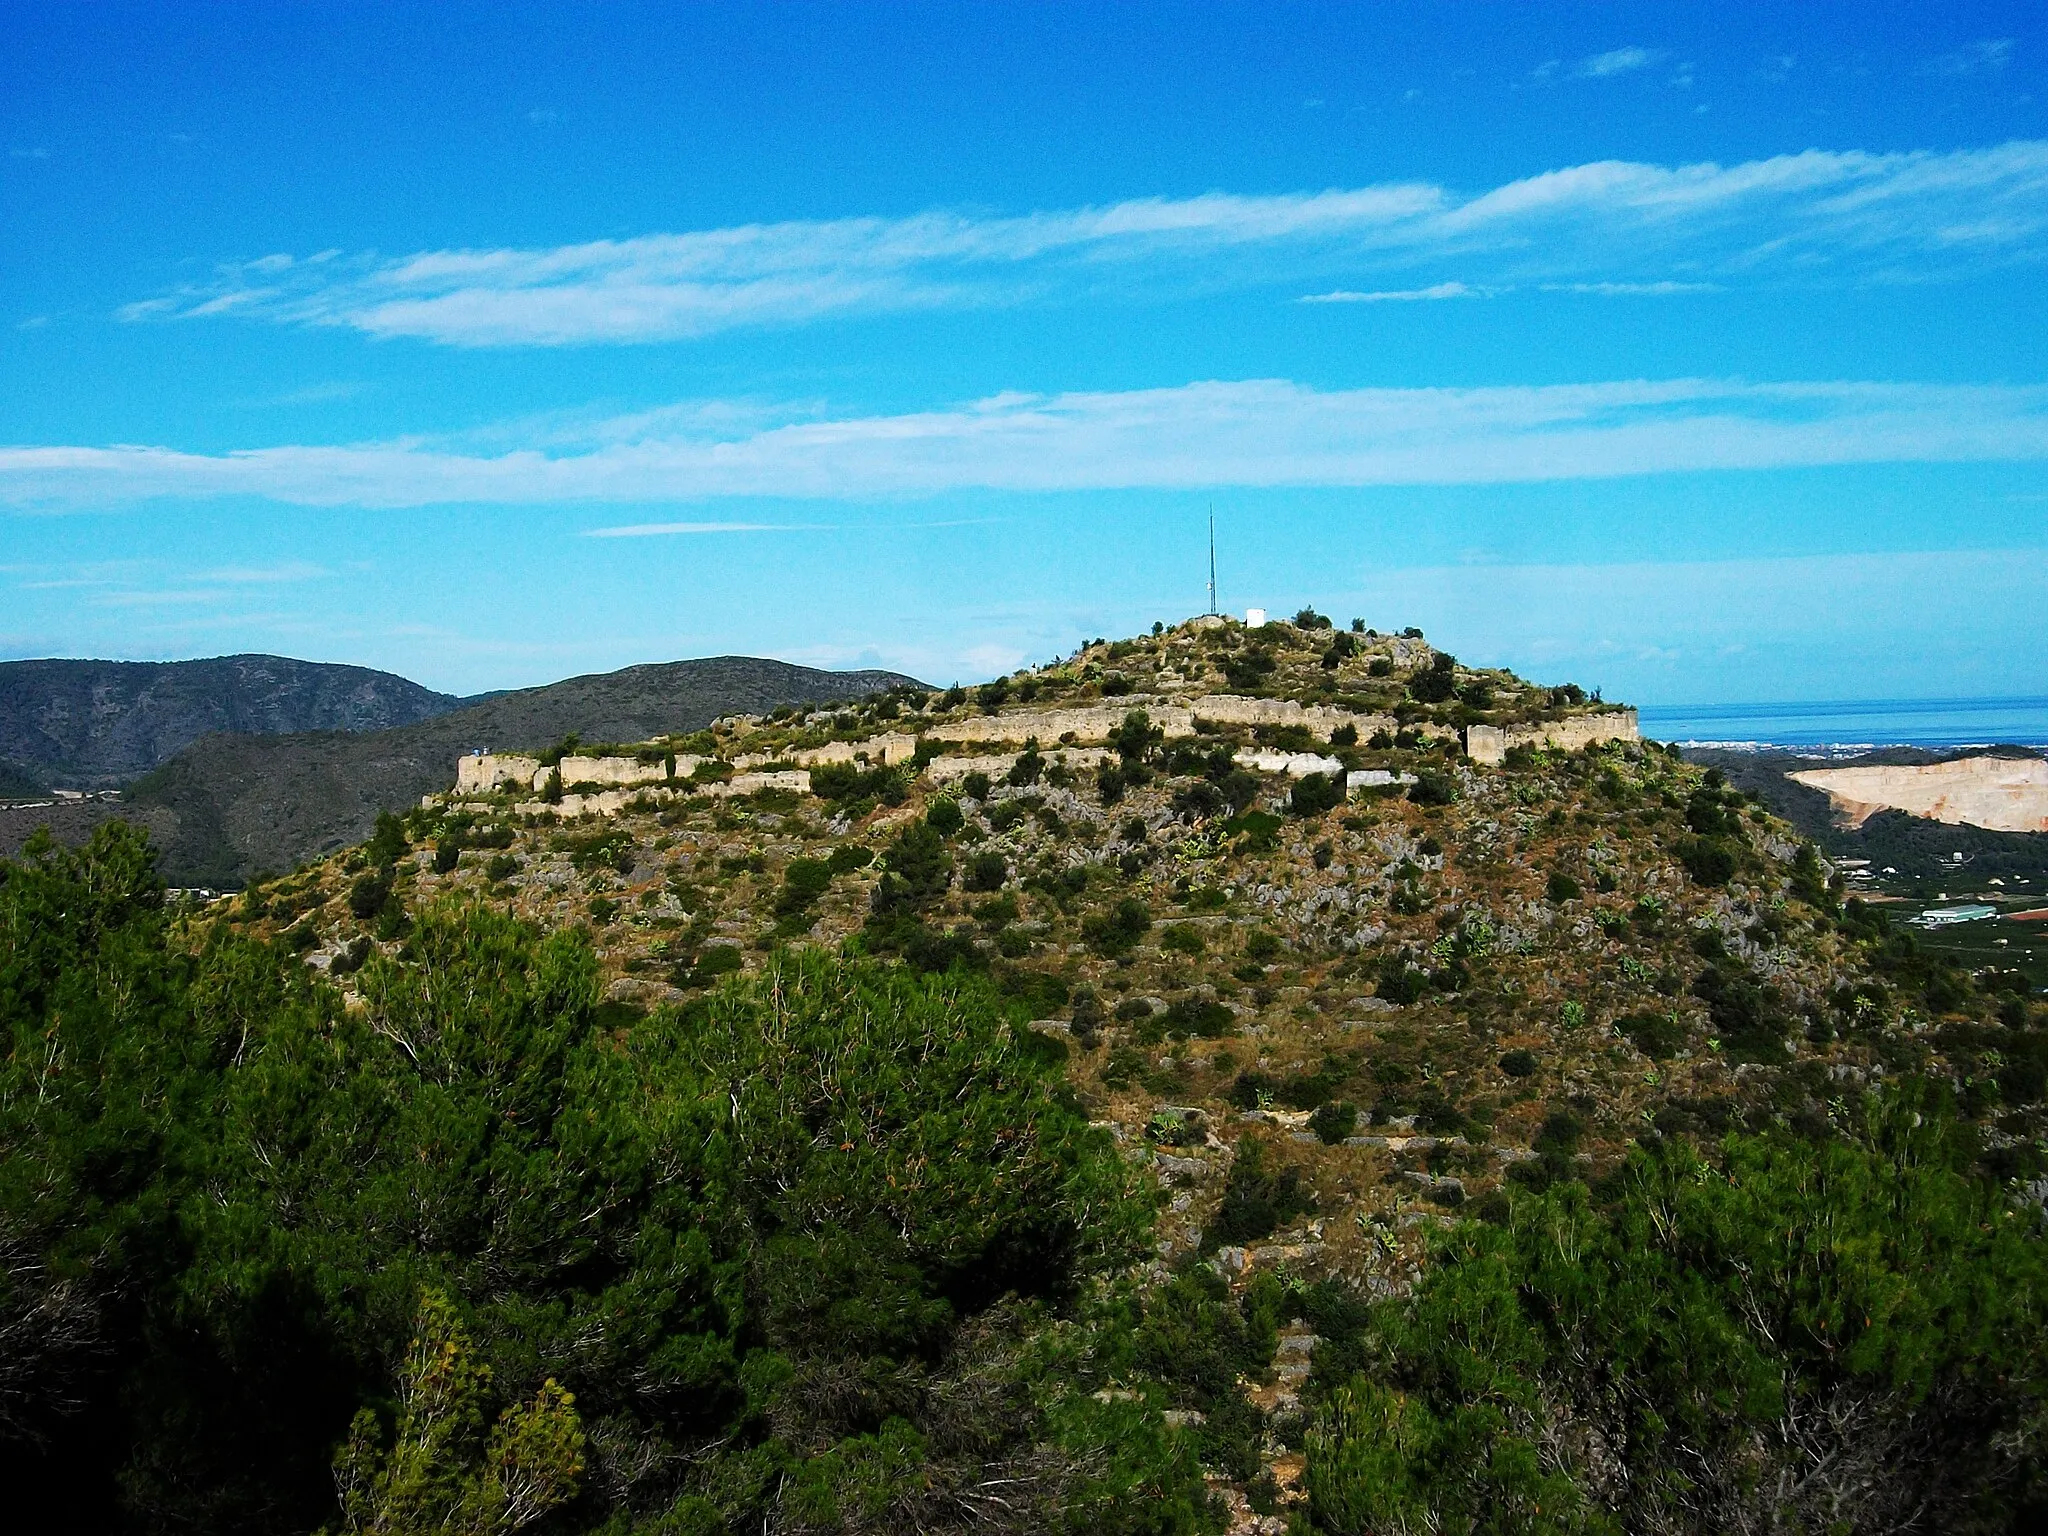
x: 662, y: 530
x: 1973, y: 58
x: 1632, y: 290
x: 1450, y: 290
x: 1852, y: 214
x: 1618, y: 61
x: 173, y: 598
x: 266, y: 575
x: 1247, y: 433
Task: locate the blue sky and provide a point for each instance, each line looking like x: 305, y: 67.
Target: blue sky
x: 1695, y: 353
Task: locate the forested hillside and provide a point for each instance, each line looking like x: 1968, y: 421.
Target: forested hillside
x: 1170, y: 1135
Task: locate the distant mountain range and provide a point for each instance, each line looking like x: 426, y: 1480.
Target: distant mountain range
x: 102, y: 724
x: 232, y: 803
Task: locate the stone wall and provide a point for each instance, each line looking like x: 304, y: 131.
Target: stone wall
x: 1318, y: 719
x: 1095, y: 722
x: 878, y: 751
x: 617, y: 772
x: 1086, y: 722
x: 1490, y: 744
x: 480, y: 773
x: 609, y: 802
x: 950, y: 770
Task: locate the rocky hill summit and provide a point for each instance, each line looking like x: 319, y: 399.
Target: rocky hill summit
x: 1343, y: 943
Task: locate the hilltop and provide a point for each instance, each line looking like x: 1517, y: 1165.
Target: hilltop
x: 1340, y: 940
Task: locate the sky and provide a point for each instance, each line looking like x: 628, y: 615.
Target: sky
x: 1694, y: 353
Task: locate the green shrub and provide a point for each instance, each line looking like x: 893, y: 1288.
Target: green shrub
x: 1334, y: 1121
x: 1402, y: 981
x: 1314, y: 793
x: 716, y: 960
x: 1433, y: 787
x: 1519, y: 1063
x: 1204, y: 1020
x: 387, y: 844
x: 502, y: 866
x: 1257, y: 1201
x: 1255, y: 831
x: 1708, y: 860
x: 1657, y: 1036
x: 847, y: 784
x: 985, y: 872
x: 1562, y: 888
x: 804, y: 883
x: 1184, y: 938
x: 917, y: 871
x: 1029, y: 767
x: 1117, y: 931
x: 368, y: 893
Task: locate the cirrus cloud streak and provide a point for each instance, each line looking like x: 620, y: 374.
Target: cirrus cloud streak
x: 1259, y: 432
x: 1847, y: 215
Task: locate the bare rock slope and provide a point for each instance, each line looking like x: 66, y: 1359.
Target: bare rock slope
x: 2002, y: 794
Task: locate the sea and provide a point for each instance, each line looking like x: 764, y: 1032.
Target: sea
x: 1845, y: 727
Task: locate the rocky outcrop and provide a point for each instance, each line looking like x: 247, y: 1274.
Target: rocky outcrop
x: 1490, y: 744
x: 2000, y: 794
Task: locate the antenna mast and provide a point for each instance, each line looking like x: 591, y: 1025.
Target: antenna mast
x: 1212, y: 558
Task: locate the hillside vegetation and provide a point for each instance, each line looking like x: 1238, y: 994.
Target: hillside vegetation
x: 1115, y: 1137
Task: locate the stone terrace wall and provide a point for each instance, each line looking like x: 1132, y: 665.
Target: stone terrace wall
x: 880, y: 751
x: 1095, y: 722
x: 618, y: 772
x: 948, y: 770
x: 1490, y: 744
x: 609, y: 802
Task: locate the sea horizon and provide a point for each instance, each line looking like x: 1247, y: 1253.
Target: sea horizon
x: 1841, y: 725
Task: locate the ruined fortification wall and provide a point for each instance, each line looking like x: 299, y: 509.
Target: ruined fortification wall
x: 609, y: 802
x: 1087, y: 722
x: 1095, y: 722
x: 1490, y: 744
x: 880, y: 751
x: 482, y: 772
x: 1320, y: 719
x: 950, y: 770
x: 615, y: 772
